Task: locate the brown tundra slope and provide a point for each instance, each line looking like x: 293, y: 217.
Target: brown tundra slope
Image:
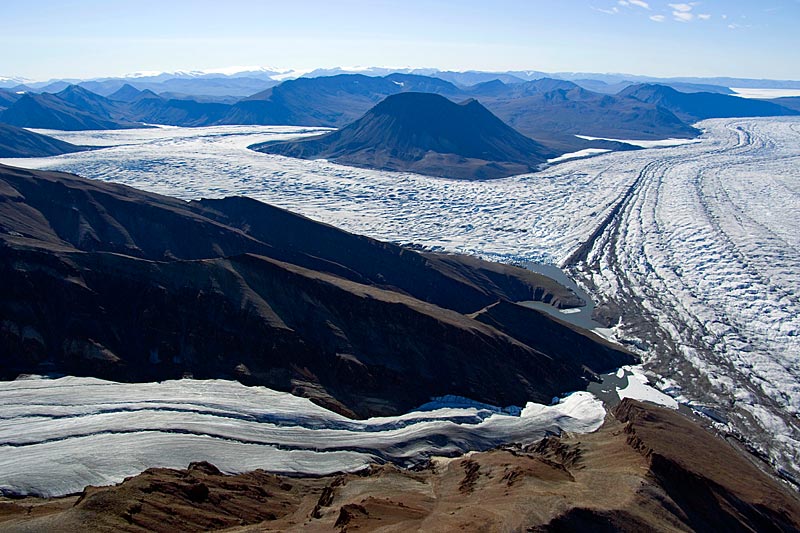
x: 647, y: 469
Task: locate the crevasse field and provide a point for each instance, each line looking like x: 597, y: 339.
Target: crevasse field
x: 697, y: 245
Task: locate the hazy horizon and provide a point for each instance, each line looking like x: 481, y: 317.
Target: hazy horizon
x: 90, y: 39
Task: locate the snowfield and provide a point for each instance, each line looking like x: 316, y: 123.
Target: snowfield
x: 697, y: 245
x: 57, y: 436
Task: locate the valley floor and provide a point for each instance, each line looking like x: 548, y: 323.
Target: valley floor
x: 695, y: 248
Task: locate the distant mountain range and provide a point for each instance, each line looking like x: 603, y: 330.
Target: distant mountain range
x: 98, y: 279
x: 242, y: 81
x: 700, y: 106
x: 559, y: 110
x: 427, y: 134
x: 550, y: 111
x: 73, y: 108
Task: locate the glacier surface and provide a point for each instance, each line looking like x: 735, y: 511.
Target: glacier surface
x: 59, y: 435
x: 697, y: 245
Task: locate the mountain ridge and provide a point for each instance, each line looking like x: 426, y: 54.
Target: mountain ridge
x: 99, y: 279
x: 48, y: 111
x: 700, y: 106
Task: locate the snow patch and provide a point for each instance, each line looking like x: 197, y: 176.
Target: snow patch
x: 639, y: 388
x: 765, y: 94
x: 587, y: 152
x: 661, y: 143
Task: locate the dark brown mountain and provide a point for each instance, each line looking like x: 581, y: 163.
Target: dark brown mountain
x: 99, y: 279
x: 427, y: 134
x: 18, y: 142
x: 646, y: 469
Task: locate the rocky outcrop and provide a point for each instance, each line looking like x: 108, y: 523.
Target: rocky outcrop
x: 713, y: 486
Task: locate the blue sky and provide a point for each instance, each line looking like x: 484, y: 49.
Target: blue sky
x: 89, y: 38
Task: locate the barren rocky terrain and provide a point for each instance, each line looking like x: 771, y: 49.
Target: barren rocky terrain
x: 647, y: 468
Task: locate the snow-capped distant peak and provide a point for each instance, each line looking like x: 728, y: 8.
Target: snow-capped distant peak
x: 234, y: 71
x: 289, y: 74
x: 11, y: 81
x: 144, y: 74
x: 230, y: 71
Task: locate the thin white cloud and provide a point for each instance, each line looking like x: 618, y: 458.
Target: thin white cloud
x: 704, y: 16
x: 613, y: 11
x: 657, y: 18
x: 683, y: 8
x: 683, y: 12
x: 631, y: 3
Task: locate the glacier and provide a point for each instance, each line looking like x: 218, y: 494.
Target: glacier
x: 696, y: 245
x: 59, y: 435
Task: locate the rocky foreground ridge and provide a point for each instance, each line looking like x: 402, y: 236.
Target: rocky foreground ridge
x: 647, y: 468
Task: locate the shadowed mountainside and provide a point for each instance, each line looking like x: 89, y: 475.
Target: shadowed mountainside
x: 791, y: 102
x: 74, y: 108
x: 102, y: 280
x: 576, y: 111
x: 332, y: 101
x: 18, y: 142
x: 700, y: 106
x: 7, y: 98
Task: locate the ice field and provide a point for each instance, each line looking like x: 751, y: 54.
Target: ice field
x: 698, y: 245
